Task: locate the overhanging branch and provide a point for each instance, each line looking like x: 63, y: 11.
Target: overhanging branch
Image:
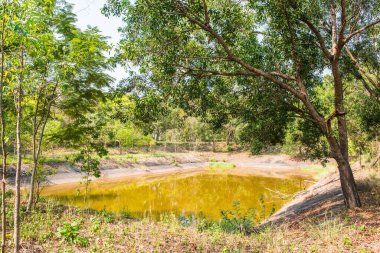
x: 360, y: 30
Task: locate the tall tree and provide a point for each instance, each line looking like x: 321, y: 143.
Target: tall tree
x: 72, y: 65
x: 284, y: 44
x: 18, y: 73
x: 2, y: 121
x: 18, y: 105
x: 43, y: 82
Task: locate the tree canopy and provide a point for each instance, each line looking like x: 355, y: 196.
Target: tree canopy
x: 284, y: 46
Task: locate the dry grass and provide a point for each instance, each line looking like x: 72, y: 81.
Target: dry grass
x: 344, y: 231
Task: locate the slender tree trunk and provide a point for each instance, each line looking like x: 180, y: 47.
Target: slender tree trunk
x: 38, y: 192
x: 3, y: 146
x: 16, y: 234
x: 37, y: 144
x: 17, y: 182
x: 36, y: 156
x: 31, y: 186
x: 120, y: 148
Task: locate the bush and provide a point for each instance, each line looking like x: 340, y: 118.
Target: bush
x: 236, y: 221
x: 125, y: 214
x: 108, y: 216
x: 256, y: 147
x: 70, y: 233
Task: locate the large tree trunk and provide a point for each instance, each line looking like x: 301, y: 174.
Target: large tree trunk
x: 347, y: 180
x: 339, y: 108
x: 339, y: 148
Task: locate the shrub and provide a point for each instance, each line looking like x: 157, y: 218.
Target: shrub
x: 70, y: 233
x: 108, y: 216
x: 236, y: 220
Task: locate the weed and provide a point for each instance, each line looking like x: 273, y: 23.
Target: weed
x: 185, y: 221
x: 347, y: 241
x: 70, y: 233
x: 225, y: 250
x: 108, y: 216
x: 125, y: 214
x: 363, y: 250
x: 203, y: 224
x: 237, y: 221
x: 95, y: 224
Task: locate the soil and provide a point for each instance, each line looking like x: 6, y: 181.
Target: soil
x: 185, y: 163
x: 325, y: 197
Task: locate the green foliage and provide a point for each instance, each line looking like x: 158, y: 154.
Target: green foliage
x: 303, y: 138
x: 256, y: 146
x: 220, y: 166
x: 88, y: 163
x: 125, y: 214
x: 95, y: 224
x: 237, y: 220
x: 109, y: 217
x: 202, y: 57
x: 70, y: 233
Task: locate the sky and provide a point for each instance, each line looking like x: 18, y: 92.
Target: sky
x: 88, y: 13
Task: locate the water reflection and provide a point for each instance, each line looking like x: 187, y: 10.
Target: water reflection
x: 203, y: 193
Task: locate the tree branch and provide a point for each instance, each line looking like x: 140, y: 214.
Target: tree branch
x: 333, y: 29
x: 256, y: 72
x: 360, y: 69
x: 360, y: 30
x: 372, y: 92
x: 207, y: 18
x: 342, y: 25
x: 335, y: 114
x: 206, y: 72
x: 236, y: 73
x: 321, y: 42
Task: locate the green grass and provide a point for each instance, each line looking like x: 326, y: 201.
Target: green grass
x: 106, y: 232
x: 220, y: 166
x: 26, y: 159
x: 343, y: 231
x: 319, y: 170
x: 57, y: 158
x: 132, y: 156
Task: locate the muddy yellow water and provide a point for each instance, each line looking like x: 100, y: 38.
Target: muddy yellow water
x: 200, y: 194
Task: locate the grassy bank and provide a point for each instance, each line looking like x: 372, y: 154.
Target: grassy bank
x: 102, y: 232
x: 56, y: 228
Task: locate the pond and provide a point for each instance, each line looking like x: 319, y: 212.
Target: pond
x: 203, y: 194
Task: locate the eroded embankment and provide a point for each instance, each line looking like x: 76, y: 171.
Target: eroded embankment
x: 323, y: 197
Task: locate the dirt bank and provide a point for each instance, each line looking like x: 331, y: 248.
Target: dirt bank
x: 322, y: 198
x: 116, y: 168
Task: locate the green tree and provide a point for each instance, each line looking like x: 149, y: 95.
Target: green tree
x: 72, y: 65
x: 43, y: 54
x: 88, y: 160
x: 279, y: 44
x: 4, y: 22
